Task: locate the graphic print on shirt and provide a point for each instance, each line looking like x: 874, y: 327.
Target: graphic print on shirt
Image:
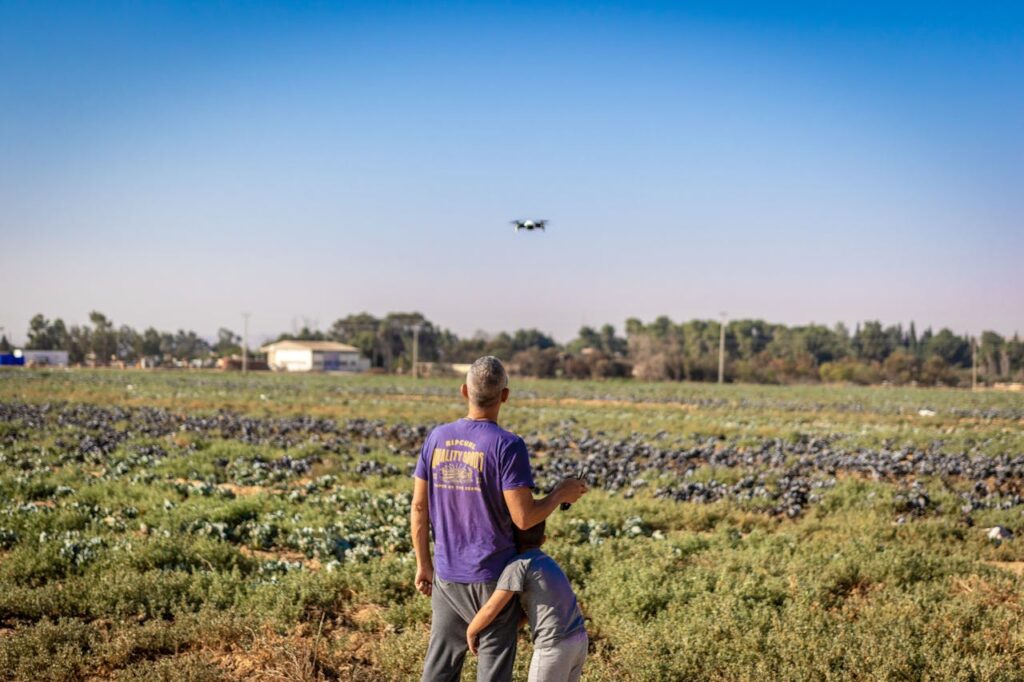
x: 457, y: 466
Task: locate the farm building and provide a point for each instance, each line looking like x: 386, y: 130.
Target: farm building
x: 45, y: 358
x: 314, y: 356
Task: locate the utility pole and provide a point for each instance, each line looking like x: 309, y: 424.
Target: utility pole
x: 974, y: 363
x: 245, y: 343
x: 415, y: 351
x: 721, y: 350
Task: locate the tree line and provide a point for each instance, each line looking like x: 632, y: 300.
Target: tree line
x: 755, y: 351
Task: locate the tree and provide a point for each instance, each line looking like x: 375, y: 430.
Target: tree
x: 360, y: 331
x: 5, y: 346
x: 912, y: 343
x: 901, y: 367
x: 587, y: 337
x: 1015, y: 356
x: 79, y: 343
x: 955, y: 350
x: 936, y: 372
x: 228, y: 343
x: 610, y: 343
x: 872, y: 342
x: 39, y: 333
x: 46, y: 335
x: 151, y: 343
x: 991, y: 354
x: 189, y: 346
x: 129, y: 344
x: 752, y: 337
x: 821, y: 342
x: 104, y: 338
x: 536, y: 362
x: 650, y: 362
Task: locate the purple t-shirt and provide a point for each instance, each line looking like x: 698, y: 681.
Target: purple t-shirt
x: 467, y: 465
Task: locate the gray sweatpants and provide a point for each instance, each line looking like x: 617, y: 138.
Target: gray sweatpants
x: 453, y: 606
x: 561, y: 661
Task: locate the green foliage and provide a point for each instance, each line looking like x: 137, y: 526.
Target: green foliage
x: 755, y: 351
x: 191, y: 556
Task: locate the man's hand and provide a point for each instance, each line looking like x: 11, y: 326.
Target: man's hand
x: 473, y: 641
x: 570, y: 490
x: 527, y: 512
x: 425, y: 579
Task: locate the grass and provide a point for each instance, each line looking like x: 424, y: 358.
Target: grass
x: 197, y: 556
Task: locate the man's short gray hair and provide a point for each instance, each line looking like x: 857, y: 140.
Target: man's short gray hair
x: 485, y: 380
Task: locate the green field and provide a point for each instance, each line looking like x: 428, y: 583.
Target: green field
x: 206, y: 526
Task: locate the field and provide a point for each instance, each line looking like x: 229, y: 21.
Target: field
x: 205, y: 526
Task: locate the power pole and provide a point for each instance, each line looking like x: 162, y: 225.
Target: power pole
x: 245, y: 343
x: 415, y: 351
x: 974, y: 363
x: 721, y: 350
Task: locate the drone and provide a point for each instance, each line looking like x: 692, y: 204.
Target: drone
x: 529, y: 225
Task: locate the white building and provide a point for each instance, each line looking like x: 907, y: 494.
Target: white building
x: 314, y: 356
x: 45, y: 358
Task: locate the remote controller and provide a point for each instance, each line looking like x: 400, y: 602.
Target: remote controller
x: 565, y: 505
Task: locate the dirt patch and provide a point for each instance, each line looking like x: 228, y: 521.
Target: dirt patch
x: 306, y: 654
x: 242, y: 490
x: 1011, y: 566
x: 367, y: 615
x: 599, y: 402
x: 292, y: 557
x: 976, y: 587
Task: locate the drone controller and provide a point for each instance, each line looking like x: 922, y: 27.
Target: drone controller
x: 565, y: 505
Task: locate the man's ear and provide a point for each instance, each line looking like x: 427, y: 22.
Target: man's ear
x: 504, y: 395
x: 464, y: 391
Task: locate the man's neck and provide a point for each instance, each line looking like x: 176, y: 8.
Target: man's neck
x: 478, y: 414
x: 527, y: 548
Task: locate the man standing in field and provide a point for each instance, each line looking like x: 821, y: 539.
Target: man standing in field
x: 472, y: 483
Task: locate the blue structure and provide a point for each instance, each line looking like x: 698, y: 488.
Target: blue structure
x: 12, y: 359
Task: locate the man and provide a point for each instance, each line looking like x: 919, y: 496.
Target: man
x: 472, y: 483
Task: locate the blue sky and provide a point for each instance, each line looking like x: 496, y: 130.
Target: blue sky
x: 175, y: 164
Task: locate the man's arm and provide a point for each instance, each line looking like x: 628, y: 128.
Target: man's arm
x: 485, y: 616
x: 419, y: 520
x: 527, y: 512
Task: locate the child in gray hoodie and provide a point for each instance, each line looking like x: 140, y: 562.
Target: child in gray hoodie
x: 545, y: 595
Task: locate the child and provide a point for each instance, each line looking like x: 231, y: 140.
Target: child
x: 556, y: 624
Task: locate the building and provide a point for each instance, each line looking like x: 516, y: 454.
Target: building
x: 314, y: 356
x: 45, y: 358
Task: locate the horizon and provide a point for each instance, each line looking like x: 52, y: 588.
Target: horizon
x: 177, y: 165
x: 262, y: 338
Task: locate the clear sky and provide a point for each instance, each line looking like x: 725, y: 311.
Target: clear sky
x: 175, y: 164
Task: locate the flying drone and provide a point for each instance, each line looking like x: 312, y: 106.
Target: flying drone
x: 529, y: 225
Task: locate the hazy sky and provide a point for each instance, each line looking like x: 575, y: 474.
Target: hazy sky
x: 175, y: 164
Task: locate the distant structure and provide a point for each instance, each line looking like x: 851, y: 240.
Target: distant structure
x: 45, y: 358
x: 34, y: 358
x: 314, y: 356
x: 234, y: 363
